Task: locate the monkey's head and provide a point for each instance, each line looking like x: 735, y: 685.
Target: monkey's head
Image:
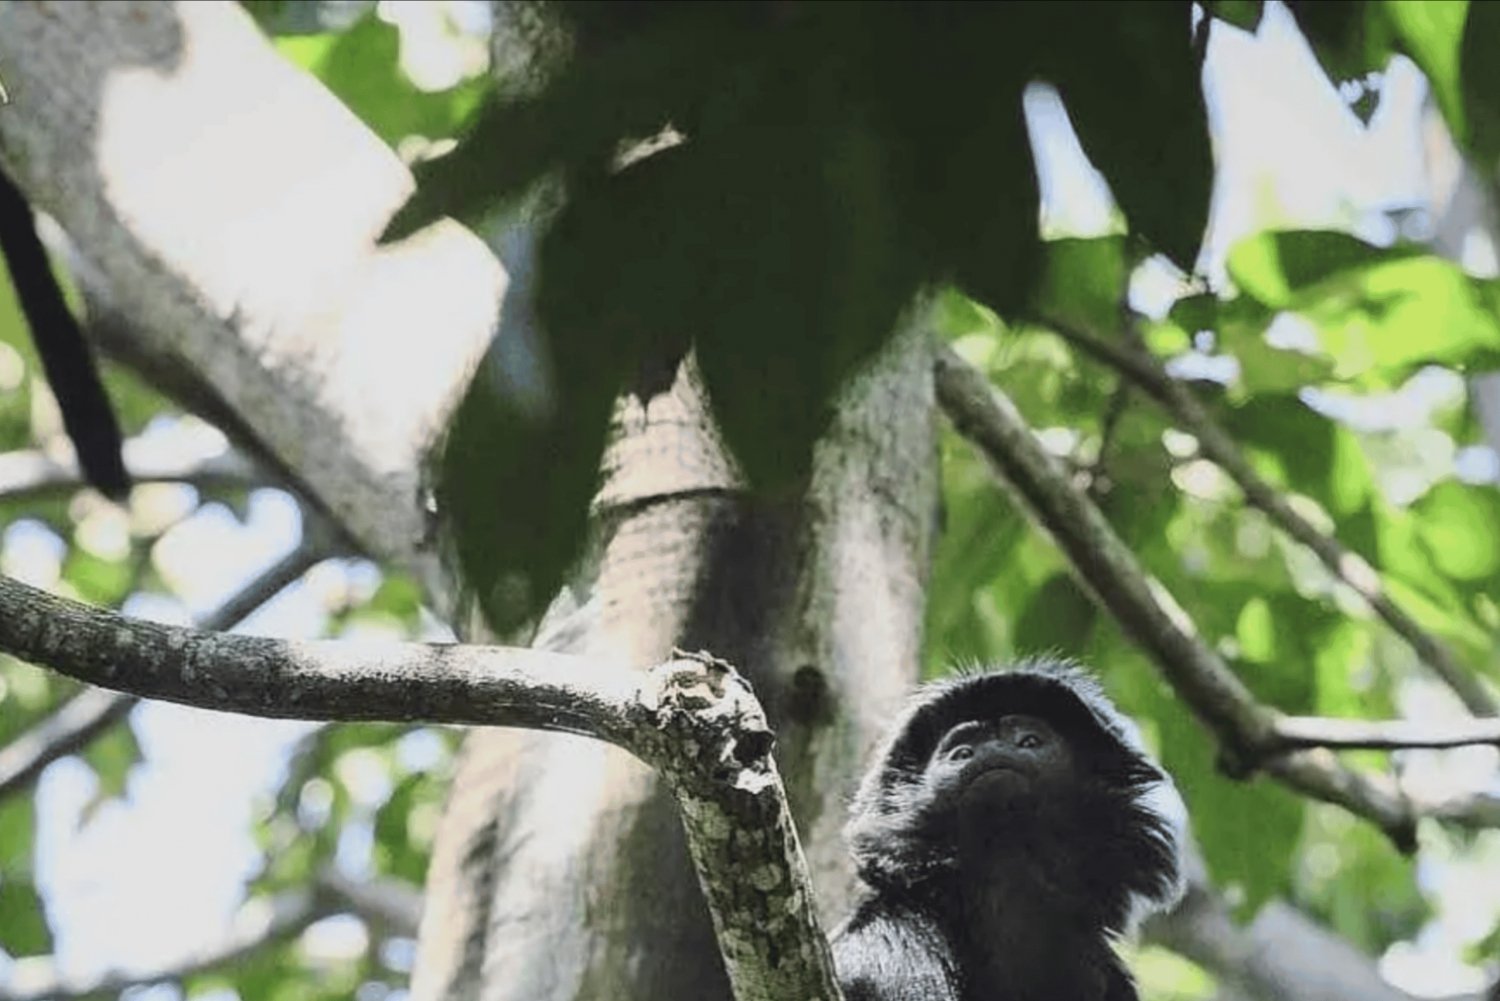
x: 1031, y: 767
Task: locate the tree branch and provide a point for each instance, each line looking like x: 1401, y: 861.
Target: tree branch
x: 1387, y: 735
x: 384, y: 902
x: 388, y: 902
x: 694, y: 720
x: 1349, y: 567
x: 27, y: 474
x: 286, y: 917
x: 1282, y: 955
x: 1108, y: 569
x: 88, y: 714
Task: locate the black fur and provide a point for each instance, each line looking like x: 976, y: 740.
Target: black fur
x: 1026, y: 908
x: 65, y: 355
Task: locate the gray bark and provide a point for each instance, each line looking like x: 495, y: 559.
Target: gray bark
x: 559, y: 872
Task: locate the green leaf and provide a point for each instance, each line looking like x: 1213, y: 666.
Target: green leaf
x: 1265, y: 368
x: 399, y: 597
x: 944, y: 101
x: 362, y: 67
x: 1131, y: 83
x: 518, y: 522
x: 1060, y: 617
x: 779, y: 324
x: 1350, y: 39
x: 17, y: 835
x: 1248, y: 830
x: 111, y: 755
x: 1479, y: 81
x: 23, y: 922
x: 1243, y: 14
x: 1256, y: 631
x: 1276, y: 268
x: 1460, y: 529
x: 1084, y: 282
x: 638, y: 78
x: 1394, y: 316
x: 99, y: 581
x: 1377, y: 311
x: 1431, y: 32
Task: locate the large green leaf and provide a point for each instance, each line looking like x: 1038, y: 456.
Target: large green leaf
x: 1479, y: 81
x: 1131, y: 82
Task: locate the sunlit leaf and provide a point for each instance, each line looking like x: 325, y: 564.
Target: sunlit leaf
x: 362, y: 66
x: 1461, y: 529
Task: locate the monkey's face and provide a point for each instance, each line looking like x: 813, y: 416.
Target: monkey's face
x: 983, y: 765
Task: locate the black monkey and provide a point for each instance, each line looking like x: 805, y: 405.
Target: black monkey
x: 65, y: 355
x: 1010, y: 829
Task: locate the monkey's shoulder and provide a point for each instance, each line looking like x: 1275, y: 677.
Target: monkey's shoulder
x: 892, y: 951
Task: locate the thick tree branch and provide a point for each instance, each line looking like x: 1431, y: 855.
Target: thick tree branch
x: 694, y: 720
x: 89, y: 713
x: 1106, y: 567
x: 1217, y: 445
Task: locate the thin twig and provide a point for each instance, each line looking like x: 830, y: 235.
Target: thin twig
x: 1386, y: 735
x: 1108, y: 569
x: 1349, y: 567
x: 26, y: 474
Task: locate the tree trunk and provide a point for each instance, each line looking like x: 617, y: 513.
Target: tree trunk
x: 560, y: 871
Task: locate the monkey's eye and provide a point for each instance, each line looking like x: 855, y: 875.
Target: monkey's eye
x: 963, y: 752
x: 1029, y: 741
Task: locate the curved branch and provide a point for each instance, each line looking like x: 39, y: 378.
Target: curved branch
x: 1347, y: 566
x: 88, y: 714
x: 694, y: 720
x: 1108, y: 569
